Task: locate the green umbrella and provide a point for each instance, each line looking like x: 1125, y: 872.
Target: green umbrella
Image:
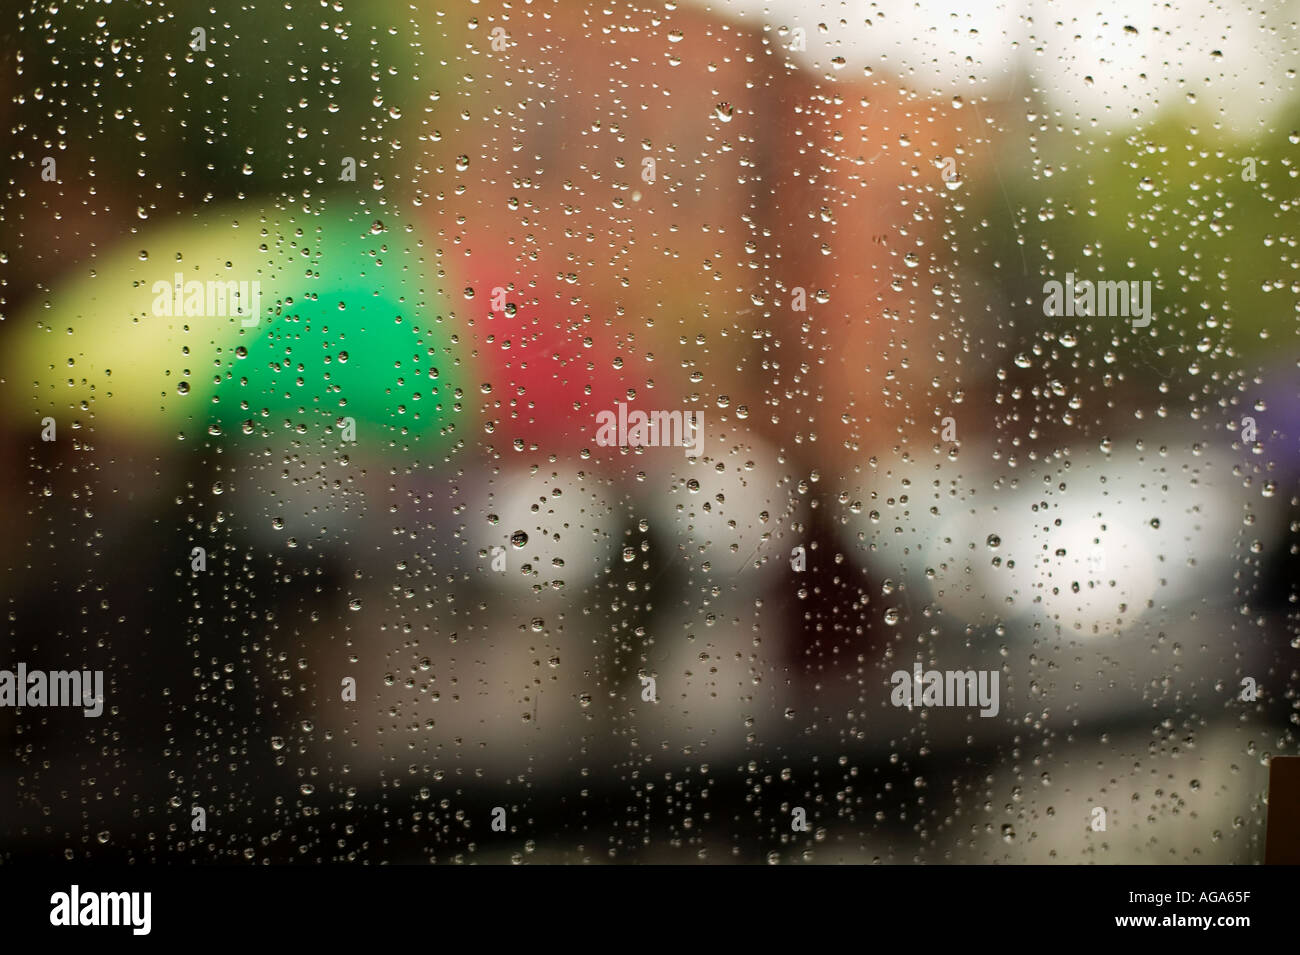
x: 248, y: 323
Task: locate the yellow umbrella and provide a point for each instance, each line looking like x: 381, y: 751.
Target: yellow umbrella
x: 245, y: 321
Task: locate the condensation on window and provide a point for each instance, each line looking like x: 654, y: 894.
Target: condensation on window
x: 648, y: 432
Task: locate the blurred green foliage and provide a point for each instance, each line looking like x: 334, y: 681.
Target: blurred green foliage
x: 1172, y: 204
x: 282, y: 92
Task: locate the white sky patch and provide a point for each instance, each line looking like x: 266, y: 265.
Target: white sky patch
x: 1105, y: 61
